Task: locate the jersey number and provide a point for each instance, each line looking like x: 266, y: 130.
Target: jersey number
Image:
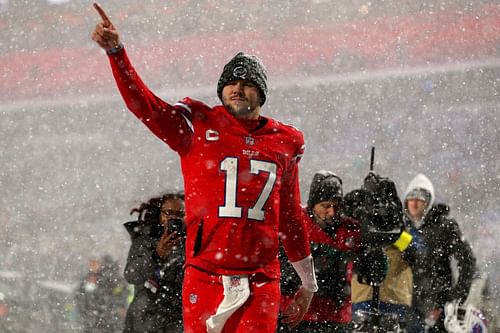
x: 230, y: 166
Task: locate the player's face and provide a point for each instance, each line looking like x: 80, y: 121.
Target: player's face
x: 325, y: 212
x: 416, y: 207
x: 242, y: 99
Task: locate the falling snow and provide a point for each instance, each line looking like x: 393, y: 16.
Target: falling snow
x: 417, y: 80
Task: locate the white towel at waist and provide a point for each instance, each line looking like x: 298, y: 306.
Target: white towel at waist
x: 236, y: 292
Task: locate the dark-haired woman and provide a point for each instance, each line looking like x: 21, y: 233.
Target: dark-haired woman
x: 155, y: 265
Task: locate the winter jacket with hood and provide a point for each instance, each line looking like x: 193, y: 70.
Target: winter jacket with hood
x: 157, y: 305
x: 447, y: 252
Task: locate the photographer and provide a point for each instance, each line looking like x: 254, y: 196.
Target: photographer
x: 383, y: 291
x: 155, y: 265
x: 334, y: 241
x: 101, y: 298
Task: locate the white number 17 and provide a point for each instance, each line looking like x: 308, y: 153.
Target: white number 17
x: 230, y: 166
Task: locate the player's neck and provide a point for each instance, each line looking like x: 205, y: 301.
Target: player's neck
x: 251, y: 125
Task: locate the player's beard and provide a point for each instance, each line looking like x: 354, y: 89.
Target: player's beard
x: 239, y: 112
x: 242, y: 110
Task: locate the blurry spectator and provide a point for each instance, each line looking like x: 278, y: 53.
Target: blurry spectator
x: 155, y: 265
x: 451, y: 265
x: 334, y: 239
x: 101, y: 299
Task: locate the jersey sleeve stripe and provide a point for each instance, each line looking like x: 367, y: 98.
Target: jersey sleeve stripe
x: 188, y: 122
x: 184, y: 107
x: 186, y: 113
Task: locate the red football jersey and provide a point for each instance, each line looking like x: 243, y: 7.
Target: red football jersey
x: 241, y: 187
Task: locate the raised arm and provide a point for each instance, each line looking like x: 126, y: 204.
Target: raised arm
x: 171, y: 124
x: 105, y: 33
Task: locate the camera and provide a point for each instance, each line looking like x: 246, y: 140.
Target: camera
x: 176, y: 225
x: 377, y: 207
x: 173, y: 225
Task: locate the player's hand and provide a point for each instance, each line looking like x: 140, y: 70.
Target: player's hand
x: 167, y: 243
x: 297, y: 309
x: 433, y: 316
x: 105, y: 33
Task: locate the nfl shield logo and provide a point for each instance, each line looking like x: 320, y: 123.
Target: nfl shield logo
x: 249, y: 140
x: 235, y: 281
x: 193, y: 298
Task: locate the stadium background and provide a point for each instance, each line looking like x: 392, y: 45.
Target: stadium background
x: 417, y: 80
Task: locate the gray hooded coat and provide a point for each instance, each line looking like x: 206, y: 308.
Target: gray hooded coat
x: 446, y: 251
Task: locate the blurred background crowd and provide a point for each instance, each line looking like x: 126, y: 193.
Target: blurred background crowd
x: 419, y: 80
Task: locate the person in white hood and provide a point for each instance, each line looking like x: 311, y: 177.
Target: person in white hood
x: 446, y: 254
x: 419, y: 199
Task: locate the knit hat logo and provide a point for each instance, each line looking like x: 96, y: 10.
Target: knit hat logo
x: 240, y: 71
x: 244, y: 67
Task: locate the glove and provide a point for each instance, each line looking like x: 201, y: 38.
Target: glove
x: 372, y: 267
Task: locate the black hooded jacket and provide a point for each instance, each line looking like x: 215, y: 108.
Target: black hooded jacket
x: 152, y: 310
x: 434, y: 281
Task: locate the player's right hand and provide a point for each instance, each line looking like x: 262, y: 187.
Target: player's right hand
x: 105, y: 33
x: 297, y: 309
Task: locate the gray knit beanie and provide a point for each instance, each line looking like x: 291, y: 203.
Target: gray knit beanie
x: 325, y: 186
x: 244, y: 67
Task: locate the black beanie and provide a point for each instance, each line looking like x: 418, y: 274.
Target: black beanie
x: 325, y: 186
x: 244, y: 67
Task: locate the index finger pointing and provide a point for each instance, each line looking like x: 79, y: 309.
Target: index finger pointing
x: 103, y: 15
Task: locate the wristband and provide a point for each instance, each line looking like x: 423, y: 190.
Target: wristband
x: 115, y: 50
x: 403, y: 241
x: 305, y: 270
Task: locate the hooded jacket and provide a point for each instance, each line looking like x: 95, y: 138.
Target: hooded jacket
x: 156, y: 306
x: 447, y: 251
x: 417, y: 184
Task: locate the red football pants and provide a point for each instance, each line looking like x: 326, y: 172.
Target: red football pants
x: 202, y: 293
